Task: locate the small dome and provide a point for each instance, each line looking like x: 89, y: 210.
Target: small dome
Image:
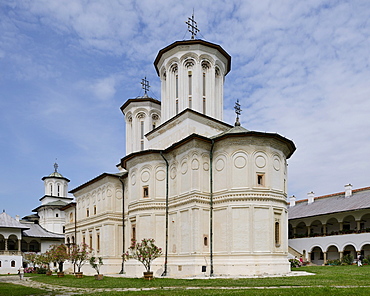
x: 56, y: 174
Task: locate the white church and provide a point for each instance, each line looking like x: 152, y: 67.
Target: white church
x: 211, y: 194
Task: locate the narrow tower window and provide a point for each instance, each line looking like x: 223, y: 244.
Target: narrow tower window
x: 51, y: 189
x: 142, y: 135
x: 58, y: 190
x: 190, y: 88
x: 204, y: 93
x: 277, y: 234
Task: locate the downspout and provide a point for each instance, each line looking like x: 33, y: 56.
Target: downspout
x: 123, y: 226
x: 75, y: 241
x: 166, y: 248
x: 211, y: 205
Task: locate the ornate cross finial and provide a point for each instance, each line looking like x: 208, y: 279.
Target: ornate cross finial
x: 55, y: 167
x: 192, y: 26
x: 145, y: 85
x: 237, y: 111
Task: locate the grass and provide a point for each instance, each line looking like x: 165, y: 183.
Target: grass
x: 18, y: 290
x: 324, y: 276
x: 328, y: 280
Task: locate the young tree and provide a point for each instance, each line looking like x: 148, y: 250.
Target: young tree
x: 96, y: 263
x: 79, y: 254
x: 145, y: 252
x: 59, y: 254
x: 31, y: 258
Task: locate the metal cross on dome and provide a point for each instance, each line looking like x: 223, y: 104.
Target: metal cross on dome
x: 192, y: 26
x: 238, y: 110
x: 56, y: 166
x: 145, y: 85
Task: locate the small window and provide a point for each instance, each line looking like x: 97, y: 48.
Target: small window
x: 55, y: 264
x: 205, y: 240
x: 83, y: 240
x: 64, y: 229
x: 56, y: 215
x: 98, y: 242
x: 94, y: 210
x: 145, y: 191
x: 260, y: 180
x: 133, y: 232
x: 87, y: 212
x: 12, y: 263
x: 277, y: 234
x: 91, y: 242
x: 0, y: 263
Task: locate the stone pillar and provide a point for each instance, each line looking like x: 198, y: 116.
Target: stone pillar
x: 294, y: 230
x: 325, y: 258
x: 340, y: 226
x: 309, y: 257
x: 6, y: 244
x: 358, y: 225
x: 340, y: 256
x: 324, y: 230
x: 308, y: 230
x: 19, y: 245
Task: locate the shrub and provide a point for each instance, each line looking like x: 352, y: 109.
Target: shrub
x: 367, y: 260
x: 347, y: 260
x: 333, y: 262
x: 41, y: 270
x: 29, y: 270
x: 294, y: 263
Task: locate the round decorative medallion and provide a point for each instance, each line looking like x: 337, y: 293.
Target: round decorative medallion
x: 133, y: 179
x: 160, y: 175
x: 173, y: 173
x: 195, y: 164
x: 119, y: 194
x: 184, y: 167
x: 145, y: 176
x: 260, y: 161
x: 109, y: 193
x: 277, y: 164
x: 206, y: 166
x: 240, y: 162
x: 220, y: 164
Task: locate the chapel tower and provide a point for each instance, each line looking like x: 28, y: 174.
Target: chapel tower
x: 56, y: 189
x: 142, y: 114
x: 192, y: 74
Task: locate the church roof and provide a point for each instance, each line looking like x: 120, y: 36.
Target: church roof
x: 6, y: 221
x: 117, y: 175
x: 190, y: 42
x: 139, y: 100
x: 35, y: 230
x: 333, y: 203
x: 54, y: 204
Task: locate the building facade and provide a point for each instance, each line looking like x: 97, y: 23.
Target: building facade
x: 327, y: 228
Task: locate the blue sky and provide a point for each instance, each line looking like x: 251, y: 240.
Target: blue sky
x: 299, y: 68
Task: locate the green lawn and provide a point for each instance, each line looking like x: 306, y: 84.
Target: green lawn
x: 18, y: 290
x: 324, y: 276
x: 328, y: 280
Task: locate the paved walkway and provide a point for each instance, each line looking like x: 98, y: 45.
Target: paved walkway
x: 67, y: 291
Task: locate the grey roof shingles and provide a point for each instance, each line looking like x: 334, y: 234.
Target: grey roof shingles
x: 333, y: 203
x: 35, y: 230
x: 6, y: 221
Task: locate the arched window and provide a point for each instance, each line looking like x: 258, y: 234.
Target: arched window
x: 58, y: 190
x: 12, y: 263
x: 51, y: 189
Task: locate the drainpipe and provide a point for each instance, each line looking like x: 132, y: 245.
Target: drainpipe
x: 123, y: 226
x: 211, y: 204
x: 166, y: 249
x: 75, y: 241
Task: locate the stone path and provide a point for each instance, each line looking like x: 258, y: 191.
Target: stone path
x: 69, y: 291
